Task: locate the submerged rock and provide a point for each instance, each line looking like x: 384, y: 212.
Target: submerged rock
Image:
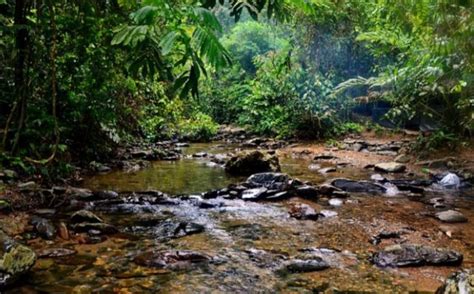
x: 461, y: 282
x: 172, y: 229
x: 415, y: 255
x: 358, y: 186
x: 316, y: 263
x: 248, y: 163
x: 179, y: 259
x: 390, y: 167
x: 15, y: 260
x: 451, y: 216
x: 96, y: 228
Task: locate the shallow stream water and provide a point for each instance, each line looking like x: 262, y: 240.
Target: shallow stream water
x: 249, y: 241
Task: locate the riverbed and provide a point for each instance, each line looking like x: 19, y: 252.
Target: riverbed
x: 249, y: 241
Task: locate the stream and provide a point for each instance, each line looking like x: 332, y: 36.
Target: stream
x: 246, y: 242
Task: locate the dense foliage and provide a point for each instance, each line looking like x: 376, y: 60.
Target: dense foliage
x: 79, y: 77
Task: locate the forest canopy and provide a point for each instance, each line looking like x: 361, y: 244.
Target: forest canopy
x: 80, y: 77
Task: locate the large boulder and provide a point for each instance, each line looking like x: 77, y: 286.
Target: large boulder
x: 458, y: 282
x: 415, y: 255
x: 247, y: 163
x: 15, y: 260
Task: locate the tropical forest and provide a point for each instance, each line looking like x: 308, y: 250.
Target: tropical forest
x: 236, y: 146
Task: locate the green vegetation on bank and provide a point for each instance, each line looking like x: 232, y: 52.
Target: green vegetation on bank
x: 79, y: 78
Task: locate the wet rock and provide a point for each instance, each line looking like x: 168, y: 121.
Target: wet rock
x: 15, y: 260
x: 106, y: 194
x: 307, y: 191
x: 200, y: 154
x: 101, y: 228
x: 248, y: 163
x: 44, y: 227
x: 303, y: 212
x: 450, y: 181
x: 279, y: 196
x: 314, y: 167
x: 327, y: 189
x: 56, y: 252
x: 461, y: 282
x: 304, y: 266
x: 358, y: 186
x: 390, y: 167
x: 172, y: 229
x: 415, y: 255
x: 451, y: 216
x: 254, y: 194
x: 269, y: 180
x: 85, y: 216
x: 173, y: 259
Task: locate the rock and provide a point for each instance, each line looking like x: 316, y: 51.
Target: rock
x: 85, y: 216
x: 279, y: 196
x: 269, y: 180
x: 63, y: 231
x: 8, y: 174
x: 335, y: 202
x: 46, y: 212
x: 303, y: 266
x: 402, y: 158
x: 181, y: 145
x: 358, y: 186
x: 415, y: 255
x: 200, y: 154
x: 451, y: 216
x: 15, y: 260
x: 172, y: 259
x: 105, y: 194
x: 325, y: 156
x: 307, y: 191
x: 327, y: 170
x: 248, y: 163
x: 172, y: 229
x: 100, y: 228
x: 303, y: 212
x: 358, y: 147
x: 80, y: 193
x: 327, y: 213
x: 327, y: 189
x: 390, y: 167
x: 254, y: 194
x: 56, y: 252
x: 438, y: 163
x: 378, y: 178
x: 375, y: 240
x: 461, y: 282
x: 450, y: 181
x: 44, y: 227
